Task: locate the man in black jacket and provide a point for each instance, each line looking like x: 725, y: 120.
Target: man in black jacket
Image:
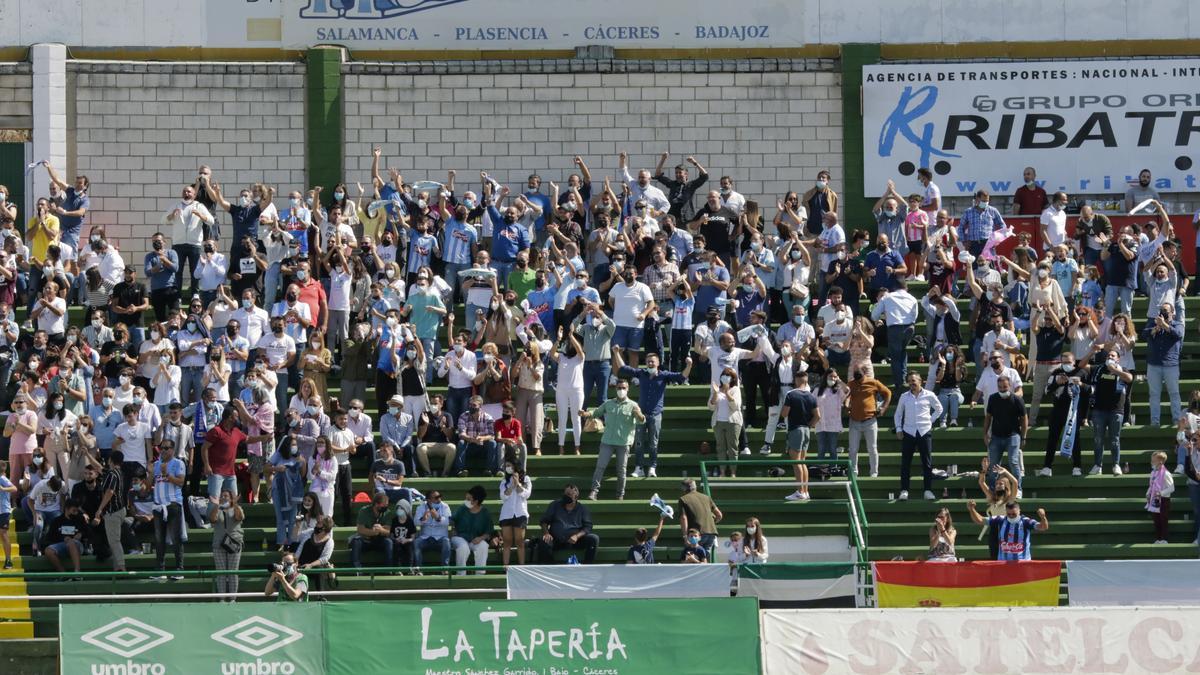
x: 567, y: 524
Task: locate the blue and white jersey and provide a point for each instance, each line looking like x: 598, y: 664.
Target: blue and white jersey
x: 1014, y: 539
x: 457, y: 240
x: 166, y: 492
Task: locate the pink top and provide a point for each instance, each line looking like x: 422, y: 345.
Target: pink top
x: 860, y: 355
x: 911, y: 221
x: 829, y: 403
x: 264, y: 423
x: 21, y: 442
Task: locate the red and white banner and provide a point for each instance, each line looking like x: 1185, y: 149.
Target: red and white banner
x: 993, y: 641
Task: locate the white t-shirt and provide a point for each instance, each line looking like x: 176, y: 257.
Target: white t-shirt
x: 133, y: 438
x: 342, y: 438
x: 570, y: 373
x: 1056, y: 226
x: 215, y: 384
x: 44, y: 499
x: 629, y: 302
x: 339, y: 290
x: 719, y: 360
x: 987, y: 381
x: 53, y: 324
x: 277, y: 349
x: 167, y: 392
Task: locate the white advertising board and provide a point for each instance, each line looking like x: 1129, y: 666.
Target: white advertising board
x: 1086, y: 126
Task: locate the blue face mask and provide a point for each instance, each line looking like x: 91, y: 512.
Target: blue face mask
x: 798, y: 320
x: 693, y: 540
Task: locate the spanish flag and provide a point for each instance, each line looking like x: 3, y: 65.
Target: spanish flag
x: 1027, y: 583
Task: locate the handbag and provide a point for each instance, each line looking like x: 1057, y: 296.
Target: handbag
x: 231, y: 543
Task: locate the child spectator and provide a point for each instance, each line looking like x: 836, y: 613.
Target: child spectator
x: 693, y: 552
x: 642, y: 551
x: 1158, y: 495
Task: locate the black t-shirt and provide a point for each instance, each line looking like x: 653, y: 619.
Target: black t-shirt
x: 406, y: 529
x: 388, y: 470
x: 117, y: 350
x: 983, y: 323
x: 245, y: 221
x: 680, y: 193
x: 88, y: 498
x: 65, y: 527
x: 801, y: 405
x: 1117, y: 269
x: 1049, y: 343
x: 128, y: 295
x: 433, y: 433
x: 843, y: 269
x: 1108, y: 391
x: 718, y: 231
x: 1006, y: 414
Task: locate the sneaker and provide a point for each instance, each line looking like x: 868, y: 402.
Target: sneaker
x: 1019, y: 493
x: 652, y: 473
x: 1179, y: 470
x: 594, y: 495
x: 1045, y: 472
x: 903, y: 495
x: 745, y: 451
x: 782, y: 426
x: 942, y: 424
x: 159, y: 577
x: 766, y: 450
x: 1077, y: 471
x: 637, y: 473
x: 1096, y: 470
x: 463, y: 474
x: 1160, y: 542
x: 795, y: 496
x: 804, y: 497
x: 8, y: 563
x: 929, y: 496
x: 177, y: 576
x: 1117, y: 470
x: 874, y: 474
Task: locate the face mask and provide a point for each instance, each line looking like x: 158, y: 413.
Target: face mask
x: 433, y: 409
x: 889, y: 213
x: 293, y: 422
x: 622, y: 394
x: 821, y: 185
x: 508, y: 470
x: 581, y: 284
x: 982, y: 205
x: 191, y: 326
x: 339, y: 195
x: 726, y: 379
x: 37, y: 461
x: 164, y: 359
x: 295, y: 202
x: 391, y: 322
x: 137, y: 400
x: 1013, y: 520
x: 459, y: 348
x: 495, y: 305
x: 830, y: 381
x: 795, y: 254
x: 1004, y: 394
x: 354, y: 413
x: 421, y: 204
x: 391, y: 273
x: 488, y: 358
x: 301, y: 275
x: 469, y: 203
x: 410, y: 354
x: 97, y: 324
x: 124, y: 379
x: 596, y: 323
x: 749, y: 288
x: 107, y: 401
x: 693, y: 540
x: 312, y: 410
x: 393, y: 410
x: 750, y: 529
x: 841, y: 255
x: 1112, y: 365
x: 1042, y: 273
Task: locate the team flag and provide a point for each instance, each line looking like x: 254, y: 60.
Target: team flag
x: 1029, y: 583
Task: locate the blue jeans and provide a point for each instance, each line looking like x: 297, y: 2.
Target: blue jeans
x: 190, y: 386
x: 502, y: 271
x: 1106, y: 425
x: 948, y: 397
x: 432, y: 351
x: 189, y: 256
x: 1114, y: 293
x: 898, y: 338
x: 379, y: 543
x: 450, y: 274
x: 1016, y: 463
x: 647, y: 442
x: 827, y: 445
x: 422, y: 543
x: 596, y: 374
x: 1156, y: 377
x: 456, y: 402
x: 488, y: 448
x: 217, y: 483
x: 271, y: 285
x: 283, y: 524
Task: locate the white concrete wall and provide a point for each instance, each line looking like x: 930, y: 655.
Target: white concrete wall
x: 771, y: 128
x: 141, y: 130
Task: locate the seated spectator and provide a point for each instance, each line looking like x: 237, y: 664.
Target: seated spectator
x: 756, y: 542
x: 433, y: 517
x: 373, y: 531
x: 387, y: 475
x: 642, y: 551
x: 476, y: 436
x: 315, y: 551
x: 693, y: 552
x: 473, y: 530
x: 404, y: 531
x: 941, y: 538
x: 567, y: 524
x: 64, y: 536
x: 434, y: 431
x: 509, y: 434
x: 286, y: 580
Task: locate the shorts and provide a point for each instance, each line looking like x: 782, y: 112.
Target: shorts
x: 63, y: 548
x: 798, y: 440
x: 519, y: 521
x: 916, y: 247
x: 257, y: 463
x: 625, y: 337
x: 4, y: 521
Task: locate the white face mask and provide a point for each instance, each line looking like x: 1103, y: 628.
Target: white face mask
x: 750, y: 529
x: 1042, y: 273
x: 1013, y: 520
x: 622, y: 394
x: 726, y: 379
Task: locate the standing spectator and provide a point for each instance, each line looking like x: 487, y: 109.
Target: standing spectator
x: 567, y: 524
x: 111, y: 510
x: 278, y: 351
x: 357, y: 355
x: 914, y: 416
x: 1136, y: 194
x: 818, y: 201
x: 73, y: 208
x: 1070, y: 395
x: 515, y: 490
x: 1119, y: 258
x: 187, y: 221
x: 1053, y: 222
x: 228, y: 538
x: 699, y: 512
x: 373, y: 531
x: 1164, y: 337
x: 884, y: 267
x: 219, y: 450
x: 931, y: 200
x: 210, y: 272
x: 1192, y: 471
x: 801, y: 411
x: 869, y: 401
x: 1158, y: 496
x: 680, y: 189
x: 652, y: 390
x: 1030, y: 198
x: 473, y: 530
x: 1050, y: 336
x: 948, y: 371
x: 978, y: 222
x: 1092, y: 232
x: 461, y: 367
x: 899, y: 311
x: 620, y: 418
x: 725, y: 402
x: 831, y: 398
x: 1012, y: 530
x: 632, y: 303
x: 597, y: 330
x: 1110, y: 387
x: 433, y: 517
x: 569, y: 394
x: 1005, y: 428
x: 169, y: 476
x: 989, y: 378
x: 891, y: 211
x: 527, y: 404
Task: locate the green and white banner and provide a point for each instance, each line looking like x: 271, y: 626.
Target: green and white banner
x: 554, y: 637
x: 793, y: 585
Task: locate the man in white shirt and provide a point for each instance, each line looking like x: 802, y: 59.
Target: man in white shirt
x: 836, y: 326
x: 50, y: 312
x: 632, y: 302
x: 915, y: 413
x: 210, y: 273
x: 253, y: 319
x: 797, y: 332
x: 110, y: 262
x: 187, y: 220
x: 641, y: 189
x: 899, y: 311
x: 726, y: 355
x: 133, y: 438
x: 459, y: 367
x: 279, y: 350
x: 1053, y: 222
x: 730, y: 198
x: 986, y: 386
x: 1000, y: 340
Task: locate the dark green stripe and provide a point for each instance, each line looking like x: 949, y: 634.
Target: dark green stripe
x: 323, y: 107
x: 795, y: 571
x: 857, y: 209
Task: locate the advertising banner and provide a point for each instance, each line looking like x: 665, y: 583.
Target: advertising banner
x: 967, y: 584
x: 994, y: 641
x: 156, y: 639
x: 621, y: 637
x: 1109, y: 583
x: 1086, y: 126
x: 577, y: 582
